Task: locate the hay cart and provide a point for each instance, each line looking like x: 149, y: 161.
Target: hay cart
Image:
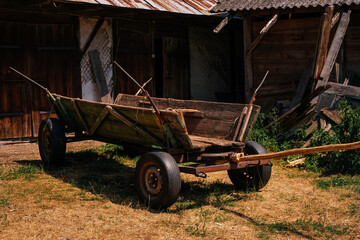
x: 211, y: 136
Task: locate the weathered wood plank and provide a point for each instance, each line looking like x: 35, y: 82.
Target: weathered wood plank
x: 99, y: 76
x: 99, y: 120
x: 334, y: 49
x: 262, y: 34
x: 323, y: 42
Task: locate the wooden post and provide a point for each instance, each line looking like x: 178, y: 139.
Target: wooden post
x: 333, y: 52
x: 335, y: 47
x: 323, y: 42
x: 247, y: 28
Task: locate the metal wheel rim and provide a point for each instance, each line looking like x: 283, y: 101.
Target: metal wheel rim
x: 153, y: 180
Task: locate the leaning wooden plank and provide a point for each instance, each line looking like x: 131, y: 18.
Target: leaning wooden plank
x: 99, y: 76
x: 302, y: 151
x: 262, y: 33
x: 334, y: 49
x: 323, y: 42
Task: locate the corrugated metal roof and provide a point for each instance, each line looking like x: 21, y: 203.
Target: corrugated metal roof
x: 198, y: 7
x: 242, y: 5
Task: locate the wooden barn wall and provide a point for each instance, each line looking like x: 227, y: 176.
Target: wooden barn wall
x: 285, y: 52
x: 216, y: 65
x: 149, y: 49
x: 352, y: 50
x: 45, y: 49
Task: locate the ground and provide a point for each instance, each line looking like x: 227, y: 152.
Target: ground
x: 92, y: 196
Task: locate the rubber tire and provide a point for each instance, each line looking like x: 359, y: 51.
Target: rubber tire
x: 255, y: 177
x: 52, y: 141
x: 170, y: 175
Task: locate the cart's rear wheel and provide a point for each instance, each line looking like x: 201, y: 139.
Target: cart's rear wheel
x: 255, y: 177
x: 157, y: 179
x: 52, y: 141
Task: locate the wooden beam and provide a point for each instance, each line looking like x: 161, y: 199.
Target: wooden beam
x: 262, y: 34
x: 335, y: 47
x: 247, y: 29
x: 298, y: 151
x: 344, y: 90
x: 91, y: 37
x: 223, y: 23
x: 323, y: 42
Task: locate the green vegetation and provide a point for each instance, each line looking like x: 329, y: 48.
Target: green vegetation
x: 352, y: 183
x: 26, y: 172
x: 300, y: 227
x: 345, y: 162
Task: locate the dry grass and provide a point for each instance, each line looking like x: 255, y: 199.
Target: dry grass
x: 92, y: 197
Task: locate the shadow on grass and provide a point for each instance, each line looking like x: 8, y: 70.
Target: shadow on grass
x: 105, y: 171
x: 108, y: 172
x: 195, y: 194
x: 279, y: 227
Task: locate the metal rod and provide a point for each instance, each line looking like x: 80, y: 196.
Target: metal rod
x: 129, y: 76
x: 37, y: 84
x: 138, y: 92
x: 257, y: 89
x: 23, y: 75
x: 146, y: 92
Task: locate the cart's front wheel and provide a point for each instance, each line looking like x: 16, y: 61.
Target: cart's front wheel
x: 52, y: 141
x: 255, y: 177
x: 157, y: 179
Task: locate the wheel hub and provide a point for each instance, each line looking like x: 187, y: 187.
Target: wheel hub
x: 46, y: 141
x: 153, y: 180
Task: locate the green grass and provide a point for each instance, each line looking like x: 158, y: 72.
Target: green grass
x: 301, y: 227
x: 352, y: 183
x: 26, y: 172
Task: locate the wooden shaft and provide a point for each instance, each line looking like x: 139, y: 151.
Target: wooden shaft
x: 300, y: 151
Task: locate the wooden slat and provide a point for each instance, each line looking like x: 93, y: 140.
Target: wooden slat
x: 134, y: 125
x: 99, y: 120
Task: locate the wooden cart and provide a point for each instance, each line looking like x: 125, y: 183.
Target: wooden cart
x: 209, y: 134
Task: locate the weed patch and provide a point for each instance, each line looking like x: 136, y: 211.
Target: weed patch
x: 26, y: 172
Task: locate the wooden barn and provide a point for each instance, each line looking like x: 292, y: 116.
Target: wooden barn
x: 299, y: 42
x: 61, y: 43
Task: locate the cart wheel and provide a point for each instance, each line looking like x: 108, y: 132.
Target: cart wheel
x: 52, y: 141
x: 252, y: 177
x: 157, y: 179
